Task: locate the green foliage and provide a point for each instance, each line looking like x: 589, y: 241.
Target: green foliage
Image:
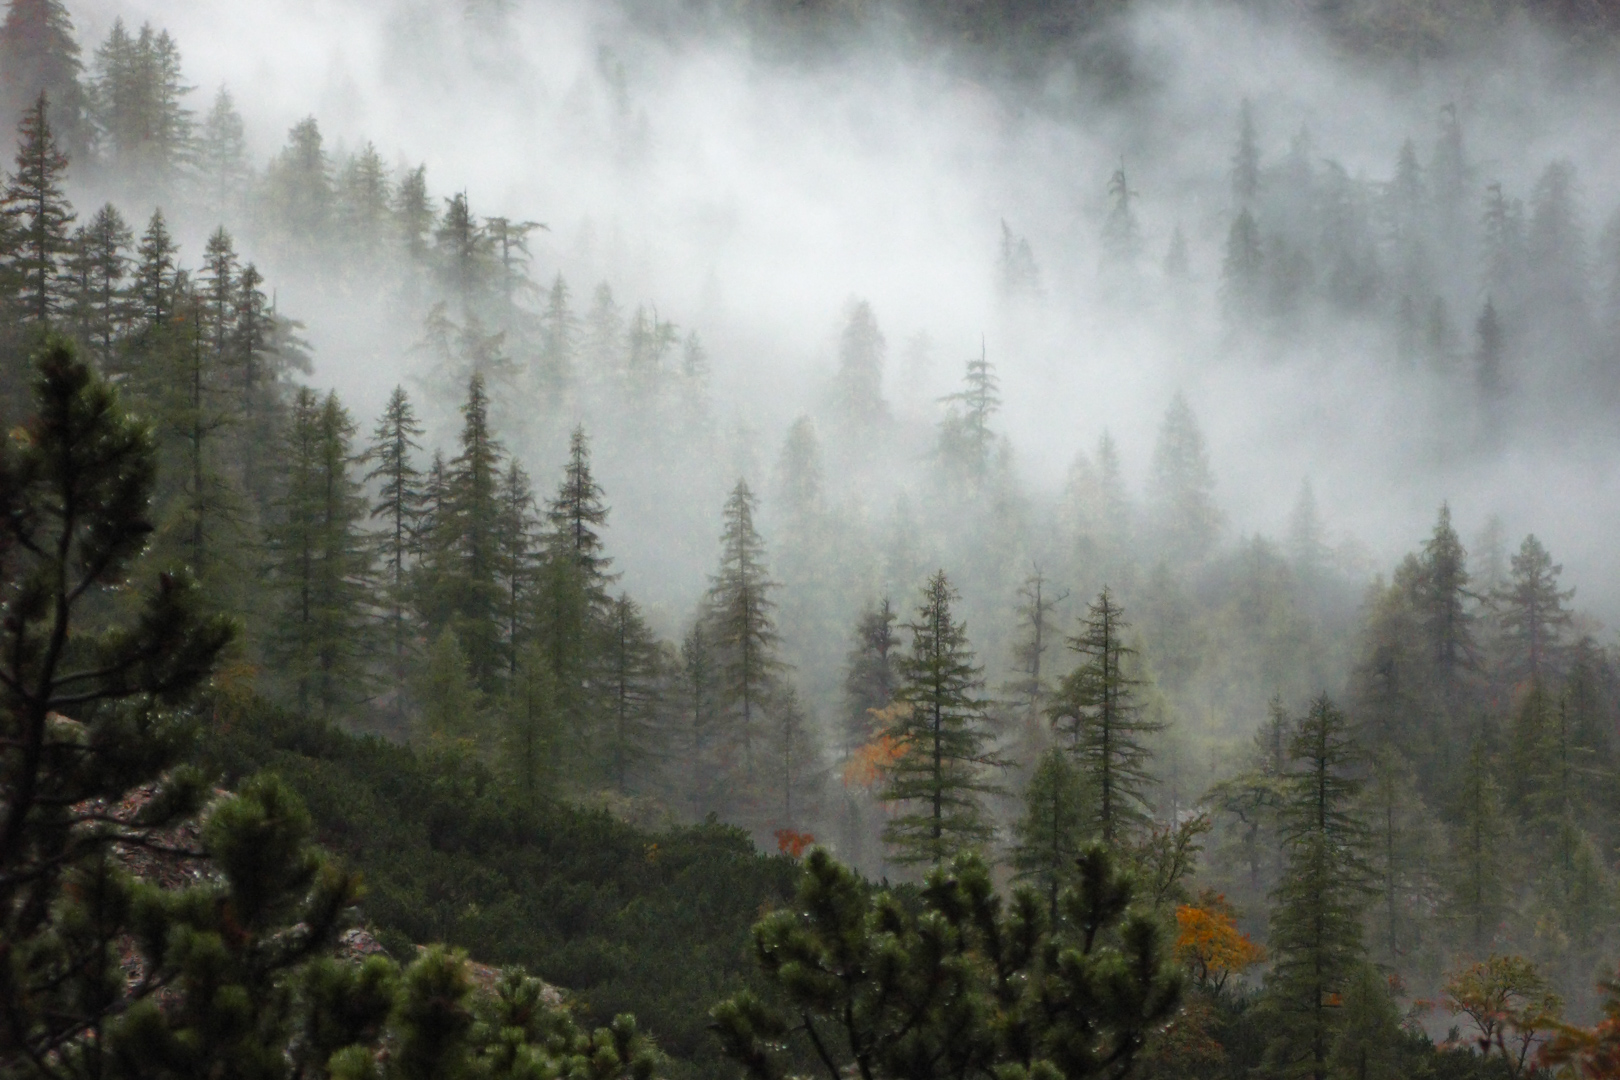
x: 653, y: 924
x: 1316, y: 920
x: 88, y: 709
x: 1058, y: 820
x: 941, y: 737
x: 1095, y: 708
x: 954, y: 981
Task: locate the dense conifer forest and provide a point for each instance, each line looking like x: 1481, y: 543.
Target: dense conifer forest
x: 574, y: 700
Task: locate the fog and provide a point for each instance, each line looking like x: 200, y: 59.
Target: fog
x: 750, y: 198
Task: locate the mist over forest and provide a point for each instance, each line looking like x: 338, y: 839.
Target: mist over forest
x: 598, y: 433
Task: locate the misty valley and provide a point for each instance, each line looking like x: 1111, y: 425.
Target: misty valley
x: 1004, y: 539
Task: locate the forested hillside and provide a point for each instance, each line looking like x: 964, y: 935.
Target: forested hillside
x: 585, y: 620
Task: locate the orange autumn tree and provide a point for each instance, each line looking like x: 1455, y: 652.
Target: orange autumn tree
x: 1209, y: 943
x: 1511, y: 1005
x: 867, y: 764
x: 1587, y: 1053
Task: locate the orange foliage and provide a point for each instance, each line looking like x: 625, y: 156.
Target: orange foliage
x: 1210, y: 944
x: 1589, y: 1053
x: 866, y: 765
x: 793, y: 842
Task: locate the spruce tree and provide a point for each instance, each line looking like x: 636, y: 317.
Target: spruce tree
x: 559, y: 339
x: 1122, y: 233
x: 321, y: 562
x: 741, y: 630
x: 530, y: 732
x: 1037, y: 632
x: 1402, y: 854
x: 469, y: 588
x: 155, y: 274
x: 299, y: 185
x: 39, y: 55
x: 1489, y: 356
x: 363, y: 198
x: 99, y: 266
x: 940, y: 776
x: 1246, y: 159
x: 398, y: 511
x: 1055, y: 827
x: 413, y: 213
x: 221, y: 155
x: 1316, y: 917
x: 1189, y: 522
x: 795, y: 762
x: 1096, y: 712
x: 965, y: 438
x: 38, y: 217
x: 630, y: 675
x: 1476, y: 878
x: 516, y: 526
x: 1242, y: 280
x: 577, y: 514
x: 1443, y: 613
x: 871, y: 674
x: 699, y: 693
x: 137, y: 104
x: 1531, y: 612
x: 861, y: 349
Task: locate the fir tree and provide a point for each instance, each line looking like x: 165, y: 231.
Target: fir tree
x: 530, y: 732
x: 1442, y: 606
x: 299, y: 185
x: 965, y: 438
x: 699, y: 692
x: 559, y: 338
x: 1316, y: 918
x: 221, y: 155
x: 1246, y: 159
x: 464, y: 253
x: 871, y: 674
x: 516, y: 557
x: 470, y: 588
x: 321, y: 561
x: 1401, y: 854
x: 38, y: 217
x: 1477, y: 893
x: 861, y: 349
x: 1122, y: 233
x: 577, y: 515
x: 1489, y: 355
x: 398, y: 510
x: 218, y: 295
x: 741, y: 630
x: 939, y: 778
x: 452, y: 706
x: 99, y: 266
x: 155, y: 274
x: 1531, y: 612
x: 40, y: 56
x: 1095, y: 709
x: 363, y: 199
x: 413, y: 213
x: 795, y: 760
x: 1183, y: 486
x: 1032, y: 682
x: 1242, y: 278
x: 137, y: 104
x: 630, y: 675
x: 1056, y: 825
